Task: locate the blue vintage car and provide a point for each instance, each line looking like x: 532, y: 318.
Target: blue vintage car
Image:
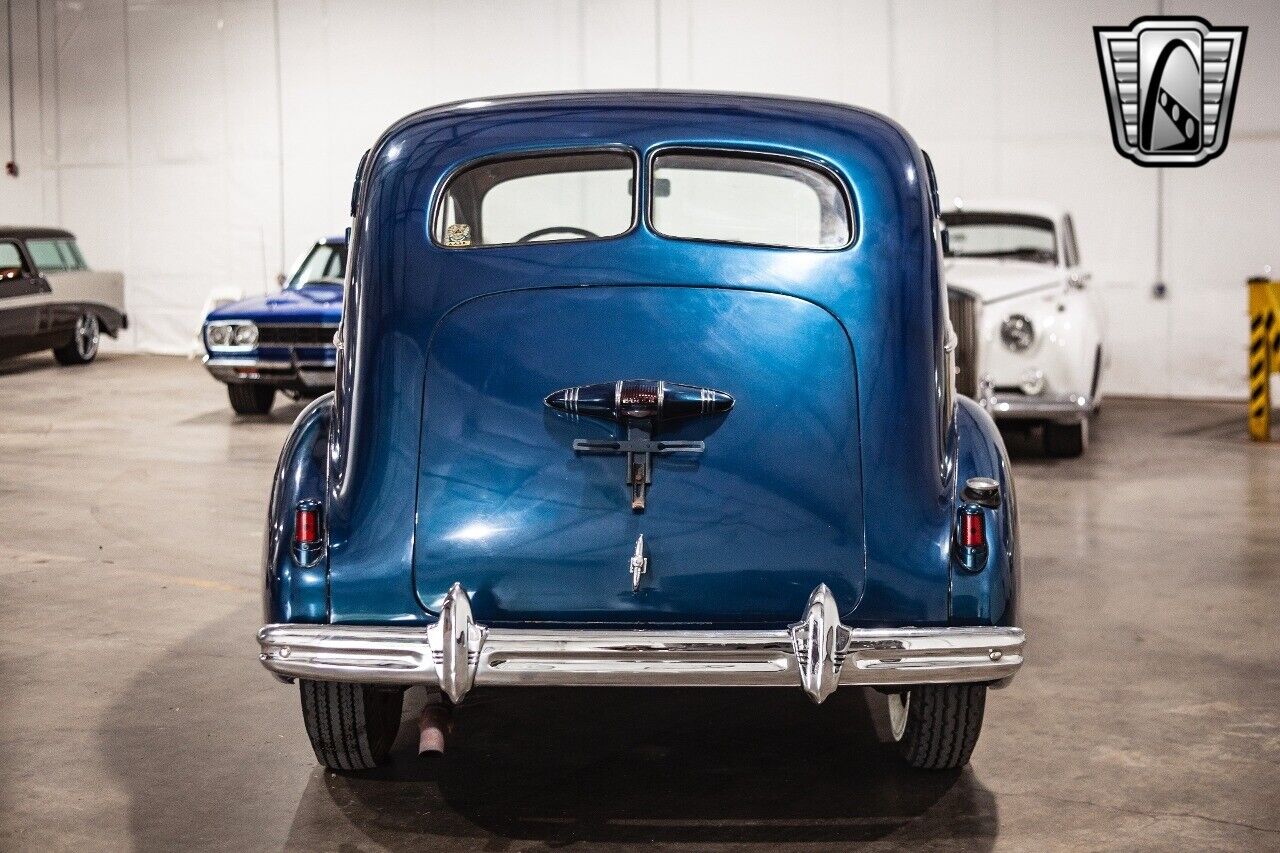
x: 643, y: 389
x: 281, y: 341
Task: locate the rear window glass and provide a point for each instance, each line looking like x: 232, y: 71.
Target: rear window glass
x: 743, y: 198
x: 543, y: 198
x: 71, y: 252
x: 47, y: 256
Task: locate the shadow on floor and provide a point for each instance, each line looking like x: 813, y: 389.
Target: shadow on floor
x: 210, y: 753
x: 672, y: 767
x: 44, y: 360
x: 285, y: 411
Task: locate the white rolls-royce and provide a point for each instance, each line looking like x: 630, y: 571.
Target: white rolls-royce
x: 1029, y: 330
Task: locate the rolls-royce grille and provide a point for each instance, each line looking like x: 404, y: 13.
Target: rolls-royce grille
x: 964, y: 319
x: 296, y: 336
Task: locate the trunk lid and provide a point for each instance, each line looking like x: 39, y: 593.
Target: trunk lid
x: 739, y: 533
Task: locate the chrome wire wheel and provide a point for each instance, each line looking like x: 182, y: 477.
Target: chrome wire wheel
x: 899, y: 710
x: 87, y: 335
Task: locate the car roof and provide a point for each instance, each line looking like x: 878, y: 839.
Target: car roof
x: 37, y: 232
x: 1028, y: 207
x: 645, y: 99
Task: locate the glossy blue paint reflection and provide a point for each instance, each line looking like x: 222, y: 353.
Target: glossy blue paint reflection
x: 444, y: 465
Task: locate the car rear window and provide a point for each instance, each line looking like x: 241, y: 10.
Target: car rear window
x: 540, y: 198
x: 47, y: 256
x: 748, y: 198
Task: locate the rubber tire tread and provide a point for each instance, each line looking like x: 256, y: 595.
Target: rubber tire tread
x: 251, y: 399
x: 351, y: 726
x: 68, y: 356
x: 943, y: 724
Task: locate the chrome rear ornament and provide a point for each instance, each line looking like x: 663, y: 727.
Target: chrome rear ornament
x: 820, y: 643
x: 640, y: 405
x: 455, y: 641
x: 639, y: 563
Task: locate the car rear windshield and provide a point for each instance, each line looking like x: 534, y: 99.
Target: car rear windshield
x: 748, y: 198
x: 1012, y: 236
x: 541, y: 198
x: 55, y: 255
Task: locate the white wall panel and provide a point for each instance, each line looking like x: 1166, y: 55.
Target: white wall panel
x: 955, y: 117
x: 1217, y: 235
x: 90, y: 76
x: 618, y: 44
x: 178, y: 249
x: 176, y: 88
x: 248, y: 69
x: 1056, y: 145
x: 829, y: 49
x: 1222, y: 223
x: 22, y: 199
x: 200, y: 144
x: 1258, y: 101
x: 95, y: 207
x: 309, y: 115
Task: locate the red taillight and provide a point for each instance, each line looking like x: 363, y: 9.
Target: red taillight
x: 973, y: 533
x: 306, y: 526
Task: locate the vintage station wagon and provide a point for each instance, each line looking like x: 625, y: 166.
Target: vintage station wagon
x: 50, y: 299
x: 643, y: 389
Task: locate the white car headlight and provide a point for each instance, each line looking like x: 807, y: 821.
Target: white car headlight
x: 219, y: 336
x: 231, y: 334
x: 1017, y: 333
x: 246, y: 335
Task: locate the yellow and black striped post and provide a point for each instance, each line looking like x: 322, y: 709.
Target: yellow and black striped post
x: 1264, y: 353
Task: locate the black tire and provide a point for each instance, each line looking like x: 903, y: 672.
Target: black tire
x: 942, y: 724
x: 251, y: 399
x: 351, y: 726
x: 83, y: 346
x: 1066, y: 441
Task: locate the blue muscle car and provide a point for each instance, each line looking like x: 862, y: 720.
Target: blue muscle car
x: 282, y: 341
x: 643, y: 389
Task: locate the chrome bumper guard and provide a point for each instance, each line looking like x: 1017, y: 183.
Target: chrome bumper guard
x: 818, y: 653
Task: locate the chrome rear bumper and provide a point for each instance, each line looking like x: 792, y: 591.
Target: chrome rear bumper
x: 817, y: 653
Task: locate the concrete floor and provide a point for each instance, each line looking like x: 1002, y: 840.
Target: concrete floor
x: 134, y: 715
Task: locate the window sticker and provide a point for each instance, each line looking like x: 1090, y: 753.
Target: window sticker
x: 458, y: 234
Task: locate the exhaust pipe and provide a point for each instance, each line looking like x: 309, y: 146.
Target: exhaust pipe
x: 434, y: 723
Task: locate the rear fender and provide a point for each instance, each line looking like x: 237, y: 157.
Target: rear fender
x: 989, y: 596
x: 293, y: 592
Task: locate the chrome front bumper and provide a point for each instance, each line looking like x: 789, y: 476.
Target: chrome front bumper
x: 1059, y: 408
x: 817, y: 653
x: 310, y: 373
